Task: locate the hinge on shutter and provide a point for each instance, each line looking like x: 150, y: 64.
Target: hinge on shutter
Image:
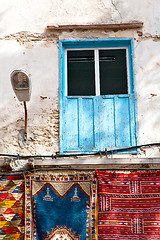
x: 100, y: 153
x: 106, y: 152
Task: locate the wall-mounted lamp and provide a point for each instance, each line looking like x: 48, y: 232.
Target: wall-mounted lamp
x: 21, y: 84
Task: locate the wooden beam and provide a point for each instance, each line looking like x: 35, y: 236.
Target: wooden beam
x: 92, y: 161
x: 118, y: 26
x: 100, y: 163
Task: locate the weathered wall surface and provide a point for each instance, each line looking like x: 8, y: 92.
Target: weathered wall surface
x: 34, y: 17
x: 25, y: 43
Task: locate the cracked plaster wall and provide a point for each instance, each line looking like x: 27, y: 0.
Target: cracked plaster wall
x: 33, y: 16
x: 25, y: 43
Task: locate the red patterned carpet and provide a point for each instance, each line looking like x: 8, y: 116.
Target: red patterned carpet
x: 129, y: 206
x: 11, y: 207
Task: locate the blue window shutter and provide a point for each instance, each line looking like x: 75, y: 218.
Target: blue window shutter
x: 92, y: 123
x: 79, y: 124
x: 95, y: 123
x: 118, y: 122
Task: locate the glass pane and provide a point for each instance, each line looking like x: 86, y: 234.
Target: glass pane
x: 80, y: 73
x: 20, y: 81
x: 113, y: 72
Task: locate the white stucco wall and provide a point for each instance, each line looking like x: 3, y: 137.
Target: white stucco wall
x: 25, y: 43
x: 33, y: 16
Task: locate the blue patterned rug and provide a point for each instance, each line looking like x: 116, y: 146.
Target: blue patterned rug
x: 61, y: 207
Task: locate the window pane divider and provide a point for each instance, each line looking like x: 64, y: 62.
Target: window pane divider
x: 97, y: 73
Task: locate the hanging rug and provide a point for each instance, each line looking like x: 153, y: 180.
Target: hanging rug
x: 11, y: 207
x: 128, y: 206
x: 60, y: 208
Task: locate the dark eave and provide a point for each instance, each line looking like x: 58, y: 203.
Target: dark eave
x: 117, y: 26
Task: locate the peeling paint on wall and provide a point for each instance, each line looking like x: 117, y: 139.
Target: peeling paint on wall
x: 26, y: 43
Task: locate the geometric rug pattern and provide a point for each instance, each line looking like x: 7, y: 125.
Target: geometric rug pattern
x: 11, y: 207
x: 60, y: 207
x: 129, y: 205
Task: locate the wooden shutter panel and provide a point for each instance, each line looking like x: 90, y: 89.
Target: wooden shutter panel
x: 91, y: 124
x: 118, y: 128
x: 78, y: 124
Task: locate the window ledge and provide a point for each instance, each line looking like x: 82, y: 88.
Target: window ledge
x: 117, y: 26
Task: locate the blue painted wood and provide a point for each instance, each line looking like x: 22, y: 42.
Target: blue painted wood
x: 122, y: 122
x: 130, y: 50
x: 133, y: 82
x: 71, y: 118
x: 132, y: 115
x: 78, y: 124
x: 86, y: 123
x: 93, y: 123
x: 93, y: 43
x: 97, y: 122
x: 107, y: 123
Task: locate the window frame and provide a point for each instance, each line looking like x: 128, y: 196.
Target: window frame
x: 114, y: 43
x: 92, y: 44
x: 97, y: 68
